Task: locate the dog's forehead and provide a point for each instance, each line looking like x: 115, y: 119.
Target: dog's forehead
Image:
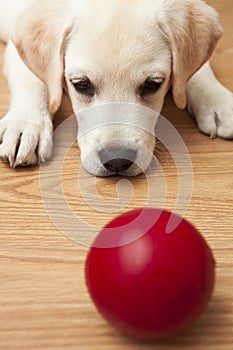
x: 119, y: 40
x: 105, y: 13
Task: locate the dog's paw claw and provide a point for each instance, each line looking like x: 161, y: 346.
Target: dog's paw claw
x: 21, y: 139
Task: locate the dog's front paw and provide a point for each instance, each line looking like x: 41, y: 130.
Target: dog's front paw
x: 213, y: 111
x: 26, y: 139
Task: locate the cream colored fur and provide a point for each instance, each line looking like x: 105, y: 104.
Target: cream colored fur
x: 117, y: 44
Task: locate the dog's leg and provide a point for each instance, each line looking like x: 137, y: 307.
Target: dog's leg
x: 26, y: 130
x: 211, y: 103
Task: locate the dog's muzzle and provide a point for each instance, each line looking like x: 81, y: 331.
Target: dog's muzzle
x: 116, y: 138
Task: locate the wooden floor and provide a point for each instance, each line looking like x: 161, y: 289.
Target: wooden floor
x: 44, y: 303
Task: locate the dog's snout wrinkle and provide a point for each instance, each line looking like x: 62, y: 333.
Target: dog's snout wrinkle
x: 117, y: 160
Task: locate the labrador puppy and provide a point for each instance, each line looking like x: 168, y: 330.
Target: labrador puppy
x: 107, y: 53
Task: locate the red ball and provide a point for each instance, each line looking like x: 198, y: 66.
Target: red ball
x: 146, y: 282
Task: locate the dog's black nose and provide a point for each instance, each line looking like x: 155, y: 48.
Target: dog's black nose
x: 117, y: 160
x: 117, y: 165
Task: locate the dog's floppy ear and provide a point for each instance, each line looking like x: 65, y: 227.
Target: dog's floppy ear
x: 192, y: 29
x: 40, y: 38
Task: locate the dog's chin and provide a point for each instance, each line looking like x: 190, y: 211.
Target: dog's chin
x: 102, y: 172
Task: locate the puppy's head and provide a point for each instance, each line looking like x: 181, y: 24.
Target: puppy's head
x: 113, y: 54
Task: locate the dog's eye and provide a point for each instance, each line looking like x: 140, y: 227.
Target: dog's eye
x: 150, y: 86
x: 84, y: 86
